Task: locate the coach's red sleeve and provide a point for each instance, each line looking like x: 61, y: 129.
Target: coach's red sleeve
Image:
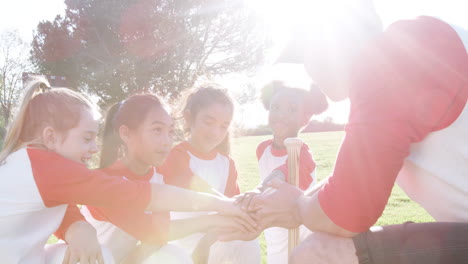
x: 410, y: 81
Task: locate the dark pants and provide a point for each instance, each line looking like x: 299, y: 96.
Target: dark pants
x: 415, y: 243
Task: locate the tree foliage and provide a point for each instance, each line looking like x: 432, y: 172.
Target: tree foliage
x: 13, y: 62
x: 112, y: 48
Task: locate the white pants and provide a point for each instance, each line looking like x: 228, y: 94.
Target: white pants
x: 232, y: 252
x: 277, y: 243
x: 235, y: 252
x: 55, y: 253
x: 169, y: 254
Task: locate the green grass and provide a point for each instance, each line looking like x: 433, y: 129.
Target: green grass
x: 324, y: 147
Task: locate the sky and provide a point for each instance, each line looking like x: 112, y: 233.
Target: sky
x: 25, y: 14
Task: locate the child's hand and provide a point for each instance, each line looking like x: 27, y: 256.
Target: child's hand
x: 236, y: 234
x: 244, y: 199
x: 83, y: 246
x: 201, y: 253
x: 229, y: 207
x: 278, y: 205
x: 221, y: 222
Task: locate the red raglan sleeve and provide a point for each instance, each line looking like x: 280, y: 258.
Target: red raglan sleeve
x: 72, y: 215
x: 261, y: 148
x: 232, y: 187
x: 306, y: 167
x: 62, y: 181
x: 407, y: 83
x: 176, y: 169
x: 151, y: 228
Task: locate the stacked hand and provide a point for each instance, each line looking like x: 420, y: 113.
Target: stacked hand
x: 275, y: 206
x: 229, y: 207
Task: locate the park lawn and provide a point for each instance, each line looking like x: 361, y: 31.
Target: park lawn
x: 324, y: 146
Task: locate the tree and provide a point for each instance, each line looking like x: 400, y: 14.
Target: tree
x: 247, y: 94
x: 13, y: 62
x: 2, y: 133
x: 112, y: 48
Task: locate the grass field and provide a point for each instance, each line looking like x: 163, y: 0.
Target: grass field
x: 324, y: 146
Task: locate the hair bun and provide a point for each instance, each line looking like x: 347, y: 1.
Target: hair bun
x: 269, y: 90
x: 318, y: 100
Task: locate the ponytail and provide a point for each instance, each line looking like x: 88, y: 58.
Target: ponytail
x: 13, y: 140
x: 111, y: 141
x: 269, y: 90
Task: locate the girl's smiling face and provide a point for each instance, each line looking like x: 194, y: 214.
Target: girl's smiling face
x: 150, y: 143
x: 287, y: 115
x: 209, y: 126
x: 78, y: 143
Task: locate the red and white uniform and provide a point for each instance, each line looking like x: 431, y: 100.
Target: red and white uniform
x: 119, y: 229
x: 215, y: 168
x: 270, y: 159
x: 219, y: 171
x: 38, y: 186
x: 408, y: 119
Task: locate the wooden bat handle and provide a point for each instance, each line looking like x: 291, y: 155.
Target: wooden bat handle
x: 293, y: 147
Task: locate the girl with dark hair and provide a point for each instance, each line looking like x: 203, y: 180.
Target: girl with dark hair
x: 137, y: 137
x: 202, y: 163
x: 290, y: 109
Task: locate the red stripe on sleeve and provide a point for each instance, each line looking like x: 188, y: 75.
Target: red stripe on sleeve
x: 232, y: 187
x: 72, y: 215
x: 62, y: 181
x: 176, y: 169
x: 306, y: 167
x: 261, y: 148
x: 152, y: 228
